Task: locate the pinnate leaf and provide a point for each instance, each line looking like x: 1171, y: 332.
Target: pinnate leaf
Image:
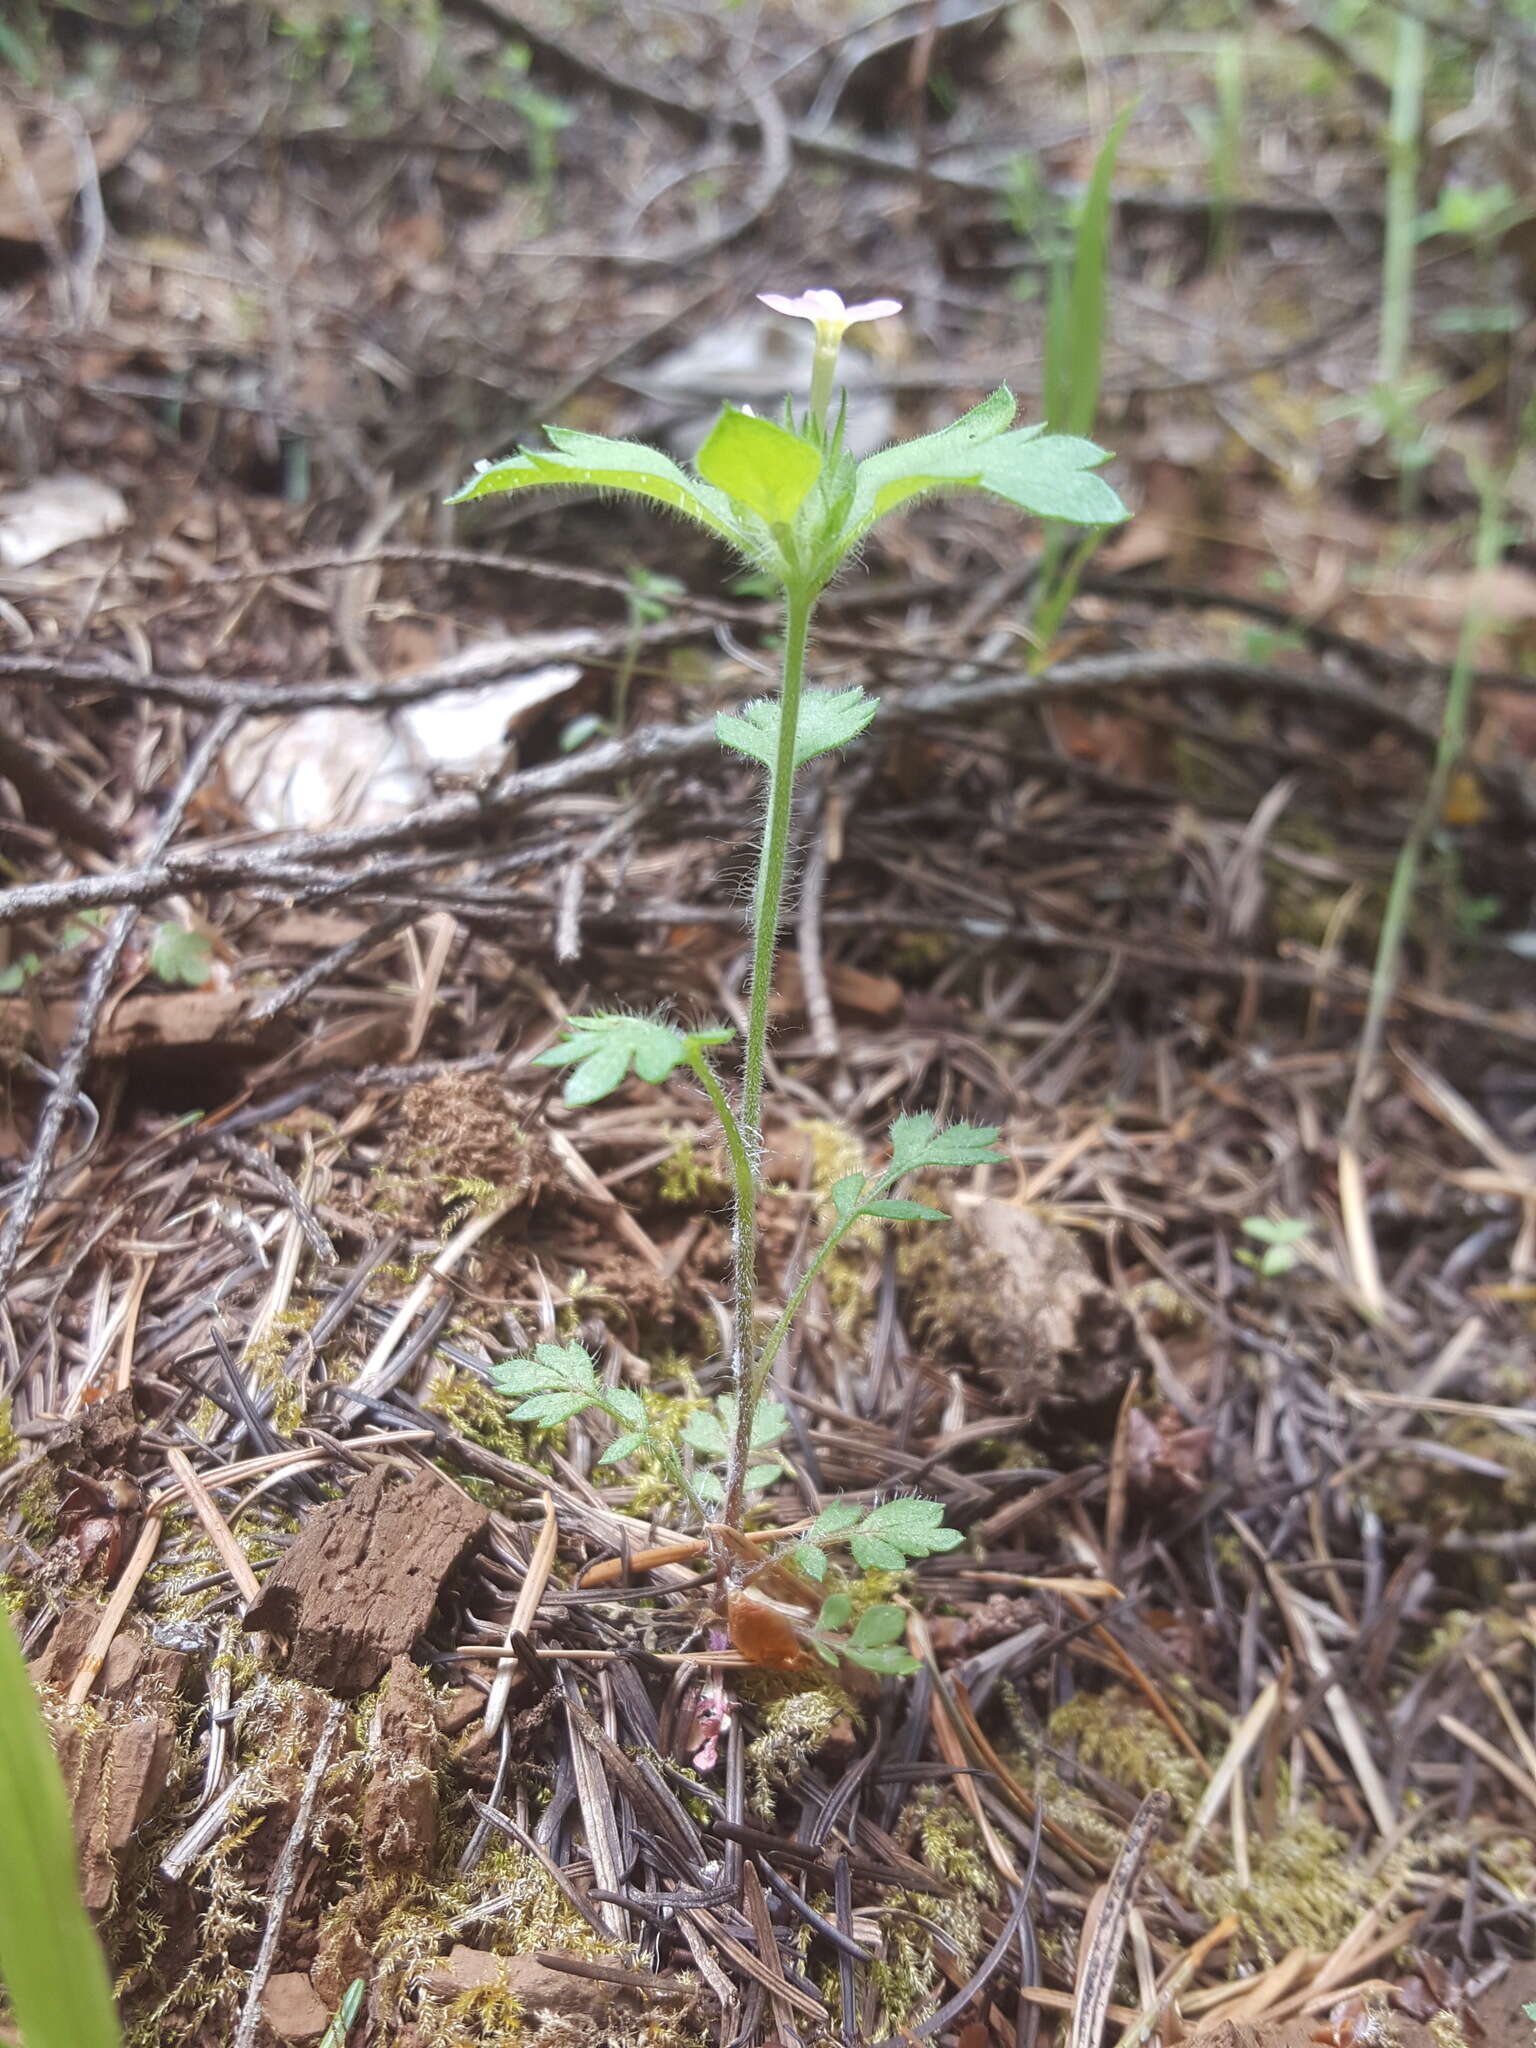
x: 601, y: 1049
x: 828, y: 719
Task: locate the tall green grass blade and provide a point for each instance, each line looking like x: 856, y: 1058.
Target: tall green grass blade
x: 1074, y: 373
x: 1427, y: 819
x: 50, y: 1960
x: 1404, y: 123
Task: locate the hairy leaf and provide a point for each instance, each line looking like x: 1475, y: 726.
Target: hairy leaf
x: 917, y: 1141
x: 595, y: 461
x: 906, y: 1212
x: 623, y: 1447
x: 181, y: 957
x: 600, y: 1050
x: 760, y: 465
x: 828, y: 719
x: 900, y: 1529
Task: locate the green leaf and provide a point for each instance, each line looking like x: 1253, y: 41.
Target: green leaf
x: 877, y: 1625
x: 1053, y: 477
x: 548, y: 1411
x: 917, y: 1142
x: 55, y: 1977
x: 906, y: 1212
x: 836, y: 1612
x: 598, y: 463
x: 889, y: 1660
x: 555, y: 1370
x: 181, y: 957
x: 21, y: 970
x: 811, y: 1559
x: 1074, y: 352
x: 1047, y: 474
x: 846, y: 1195
x: 759, y: 1476
x: 828, y: 719
x: 628, y: 1406
x: 836, y: 1518
x: 760, y: 465
x: 708, y: 1486
x: 623, y: 1447
x: 769, y: 1422
x: 601, y: 1049
x: 911, y: 1527
x: 705, y: 1432
x: 939, y: 453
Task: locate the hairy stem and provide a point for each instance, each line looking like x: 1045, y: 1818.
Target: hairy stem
x: 767, y: 902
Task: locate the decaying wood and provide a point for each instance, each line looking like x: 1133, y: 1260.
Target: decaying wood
x: 360, y: 1584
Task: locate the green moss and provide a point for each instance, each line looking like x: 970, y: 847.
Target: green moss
x: 1123, y: 1740
x: 792, y: 1729
x: 1305, y: 1889
x: 479, y: 1413
x: 10, y: 1442
x: 685, y: 1176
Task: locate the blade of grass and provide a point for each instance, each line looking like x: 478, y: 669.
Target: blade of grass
x: 1453, y: 736
x: 54, y: 1972
x: 1073, y: 373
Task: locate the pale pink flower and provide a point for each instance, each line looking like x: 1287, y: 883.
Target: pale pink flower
x: 827, y: 310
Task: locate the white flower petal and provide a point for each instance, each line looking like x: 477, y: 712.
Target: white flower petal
x: 872, y: 309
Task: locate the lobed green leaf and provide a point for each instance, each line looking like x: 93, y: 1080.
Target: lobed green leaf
x: 828, y: 719
x: 602, y: 1048
x: 917, y: 1142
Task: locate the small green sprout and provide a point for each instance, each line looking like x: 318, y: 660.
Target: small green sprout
x: 1279, y: 1236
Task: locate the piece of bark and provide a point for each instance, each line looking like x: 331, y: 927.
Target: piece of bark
x: 400, y: 1802
x: 292, y: 2007
x: 116, y: 1772
x: 1017, y: 1294
x: 360, y: 1584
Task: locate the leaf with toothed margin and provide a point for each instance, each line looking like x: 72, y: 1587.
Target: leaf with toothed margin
x: 917, y: 1141
x: 594, y: 462
x: 1050, y: 475
x: 602, y: 1048
x: 828, y: 719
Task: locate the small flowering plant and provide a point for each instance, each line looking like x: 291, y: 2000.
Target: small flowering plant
x: 788, y: 498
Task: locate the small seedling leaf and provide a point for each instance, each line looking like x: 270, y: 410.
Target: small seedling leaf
x: 811, y: 1559
x: 913, y: 1526
x: 705, y: 1432
x: 179, y: 957
x: 837, y: 1518
x: 845, y: 1195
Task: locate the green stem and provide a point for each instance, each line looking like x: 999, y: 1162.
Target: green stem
x: 767, y: 903
x: 775, y: 1339
x: 735, y: 1145
x: 823, y: 371
x: 1427, y: 818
